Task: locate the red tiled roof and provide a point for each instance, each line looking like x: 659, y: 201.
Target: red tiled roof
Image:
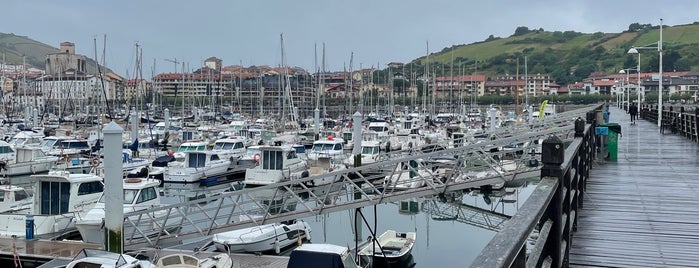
x: 604, y: 83
x: 461, y: 78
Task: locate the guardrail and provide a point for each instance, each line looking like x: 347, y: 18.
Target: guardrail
x: 676, y: 119
x: 551, y: 210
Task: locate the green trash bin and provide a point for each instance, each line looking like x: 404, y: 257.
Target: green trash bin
x: 612, y: 139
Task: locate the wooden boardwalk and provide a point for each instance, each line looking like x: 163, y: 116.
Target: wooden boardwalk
x: 643, y: 209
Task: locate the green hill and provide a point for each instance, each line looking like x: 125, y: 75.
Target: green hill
x: 569, y: 56
x: 14, y: 46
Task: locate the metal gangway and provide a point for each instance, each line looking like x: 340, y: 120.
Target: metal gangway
x: 404, y: 175
x: 464, y: 213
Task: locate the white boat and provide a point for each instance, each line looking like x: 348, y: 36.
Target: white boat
x: 406, y: 176
x: 189, y: 146
x: 14, y: 199
x: 321, y: 166
x: 370, y: 153
x: 89, y: 258
x: 328, y: 147
x: 390, y: 247
x: 197, y: 166
x: 233, y: 147
x: 322, y: 255
x: 277, y: 164
x: 182, y: 260
x: 60, y: 198
x: 22, y: 160
x: 139, y: 194
x: 26, y: 137
x: 264, y: 238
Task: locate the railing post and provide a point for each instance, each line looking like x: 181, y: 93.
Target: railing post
x: 579, y: 127
x: 552, y: 156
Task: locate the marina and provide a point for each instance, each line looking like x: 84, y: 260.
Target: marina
x: 324, y: 198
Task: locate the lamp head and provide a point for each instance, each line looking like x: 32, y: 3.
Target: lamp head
x: 622, y: 71
x: 633, y: 50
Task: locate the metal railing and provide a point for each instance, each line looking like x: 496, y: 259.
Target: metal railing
x: 550, y: 214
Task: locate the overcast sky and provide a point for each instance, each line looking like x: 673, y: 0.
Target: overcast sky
x: 377, y: 31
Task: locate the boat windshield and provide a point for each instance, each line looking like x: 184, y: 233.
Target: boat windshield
x: 186, y: 148
x: 323, y: 147
x: 370, y: 150
x: 17, y: 141
x: 48, y: 143
x: 129, y: 196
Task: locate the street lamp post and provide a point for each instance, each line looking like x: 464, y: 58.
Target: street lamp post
x: 659, y: 47
x: 627, y: 91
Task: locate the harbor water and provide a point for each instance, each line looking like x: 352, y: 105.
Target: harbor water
x: 451, y: 229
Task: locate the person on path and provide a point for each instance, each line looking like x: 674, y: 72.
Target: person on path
x: 633, y: 111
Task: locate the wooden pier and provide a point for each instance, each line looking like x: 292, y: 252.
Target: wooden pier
x: 643, y: 209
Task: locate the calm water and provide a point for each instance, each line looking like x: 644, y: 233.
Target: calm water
x: 447, y: 239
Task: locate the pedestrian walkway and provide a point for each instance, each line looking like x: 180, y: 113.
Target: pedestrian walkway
x: 643, y: 209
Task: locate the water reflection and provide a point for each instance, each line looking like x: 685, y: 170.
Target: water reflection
x: 451, y: 228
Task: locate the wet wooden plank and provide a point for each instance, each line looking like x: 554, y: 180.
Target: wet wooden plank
x: 643, y: 209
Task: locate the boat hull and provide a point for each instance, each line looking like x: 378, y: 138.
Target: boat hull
x: 266, y: 240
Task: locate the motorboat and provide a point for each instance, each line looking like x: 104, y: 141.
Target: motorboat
x: 407, y: 175
x: 89, y: 258
x: 183, y: 260
x: 276, y: 164
x: 318, y: 169
x: 23, y: 160
x: 26, y: 137
x: 60, y: 198
x: 264, y: 238
x: 328, y: 147
x: 390, y: 247
x: 322, y: 255
x: 370, y: 153
x: 193, y: 145
x: 139, y: 194
x: 14, y: 199
x: 232, y: 146
x: 197, y: 166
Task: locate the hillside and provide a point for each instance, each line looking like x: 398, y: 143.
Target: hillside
x: 569, y: 56
x: 14, y: 46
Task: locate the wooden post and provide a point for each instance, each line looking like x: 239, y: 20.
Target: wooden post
x: 553, y: 155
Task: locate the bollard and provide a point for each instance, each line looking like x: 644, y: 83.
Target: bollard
x: 552, y: 156
x: 552, y: 151
x: 29, y: 234
x: 579, y: 127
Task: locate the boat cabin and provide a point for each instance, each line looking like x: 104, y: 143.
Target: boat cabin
x: 60, y: 192
x: 13, y: 199
x: 199, y: 159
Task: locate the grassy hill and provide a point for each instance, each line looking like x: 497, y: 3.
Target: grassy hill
x: 569, y: 56
x: 14, y: 46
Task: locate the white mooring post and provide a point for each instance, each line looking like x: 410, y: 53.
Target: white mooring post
x: 357, y: 154
x: 166, y: 115
x: 316, y: 121
x: 113, y: 188
x: 135, y: 119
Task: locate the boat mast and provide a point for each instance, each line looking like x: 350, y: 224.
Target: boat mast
x: 426, y: 85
